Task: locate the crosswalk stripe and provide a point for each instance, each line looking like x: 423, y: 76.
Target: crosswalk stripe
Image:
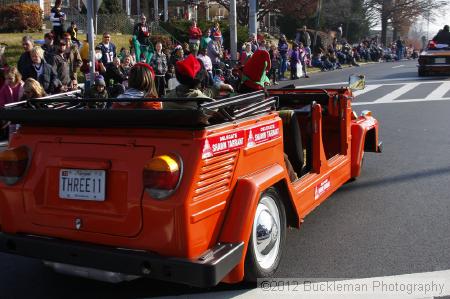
x: 366, y: 90
x: 397, y: 93
x: 439, y: 92
x: 400, y: 101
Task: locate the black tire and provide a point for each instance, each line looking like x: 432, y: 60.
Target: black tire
x: 422, y: 73
x: 253, y: 268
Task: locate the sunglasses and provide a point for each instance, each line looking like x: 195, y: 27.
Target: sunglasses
x: 107, y: 36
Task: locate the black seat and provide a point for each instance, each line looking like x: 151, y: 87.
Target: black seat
x: 292, y: 140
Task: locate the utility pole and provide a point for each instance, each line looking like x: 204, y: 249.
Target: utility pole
x: 90, y: 31
x: 207, y: 10
x: 156, y: 10
x: 252, y: 24
x: 233, y: 31
x: 319, y: 11
x: 166, y: 10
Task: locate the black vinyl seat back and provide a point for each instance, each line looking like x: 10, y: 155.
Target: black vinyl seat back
x: 292, y: 138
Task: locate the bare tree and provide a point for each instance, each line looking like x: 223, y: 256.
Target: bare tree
x: 298, y: 8
x: 400, y: 13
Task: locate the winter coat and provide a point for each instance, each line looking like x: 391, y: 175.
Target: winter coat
x: 141, y: 31
x: 10, y: 94
x: 74, y: 60
x: 25, y: 65
x: 283, y: 48
x: 159, y: 63
x: 48, y: 79
x: 132, y: 93
x: 214, y: 52
x: 182, y: 91
x: 62, y: 67
x: 303, y: 37
x: 113, y: 72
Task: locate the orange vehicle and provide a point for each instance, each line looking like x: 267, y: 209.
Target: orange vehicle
x: 189, y: 196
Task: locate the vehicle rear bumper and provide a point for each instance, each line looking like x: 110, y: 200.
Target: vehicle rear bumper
x: 438, y: 68
x: 207, y: 270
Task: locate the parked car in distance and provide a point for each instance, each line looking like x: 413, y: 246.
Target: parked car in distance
x: 435, y: 59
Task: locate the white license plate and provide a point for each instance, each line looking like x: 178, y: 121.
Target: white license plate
x: 83, y: 184
x: 439, y: 60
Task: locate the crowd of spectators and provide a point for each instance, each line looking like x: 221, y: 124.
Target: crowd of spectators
x: 62, y: 59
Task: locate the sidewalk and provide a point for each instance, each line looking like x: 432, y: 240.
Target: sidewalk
x: 312, y: 70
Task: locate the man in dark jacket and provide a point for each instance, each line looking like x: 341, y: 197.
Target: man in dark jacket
x: 113, y: 74
x: 443, y: 36
x: 25, y: 65
x: 142, y: 31
x: 304, y: 37
x: 62, y: 67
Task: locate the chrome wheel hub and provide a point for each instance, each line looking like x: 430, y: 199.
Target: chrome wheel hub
x: 266, y: 232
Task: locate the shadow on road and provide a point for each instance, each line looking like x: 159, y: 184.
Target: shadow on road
x: 402, y: 178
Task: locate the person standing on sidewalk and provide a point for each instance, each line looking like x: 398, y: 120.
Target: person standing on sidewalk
x: 294, y: 62
x: 283, y: 49
x: 142, y: 31
x: 303, y: 57
x: 304, y: 37
x: 159, y: 65
x: 24, y: 65
x: 57, y: 17
x: 399, y: 46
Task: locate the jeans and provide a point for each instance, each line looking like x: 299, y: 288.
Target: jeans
x: 399, y: 53
x: 283, y: 67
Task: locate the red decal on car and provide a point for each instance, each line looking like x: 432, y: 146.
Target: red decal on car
x: 263, y: 134
x: 322, y: 188
x: 222, y: 143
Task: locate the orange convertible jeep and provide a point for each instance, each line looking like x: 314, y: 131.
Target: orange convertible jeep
x: 189, y: 196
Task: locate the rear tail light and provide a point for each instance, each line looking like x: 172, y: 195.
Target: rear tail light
x: 162, y: 175
x: 431, y: 44
x: 366, y: 113
x: 13, y: 164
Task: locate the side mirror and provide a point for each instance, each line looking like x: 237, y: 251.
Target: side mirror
x: 357, y: 82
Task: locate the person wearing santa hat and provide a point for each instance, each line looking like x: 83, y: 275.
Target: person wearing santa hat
x: 254, y: 73
x: 195, y: 34
x: 191, y: 74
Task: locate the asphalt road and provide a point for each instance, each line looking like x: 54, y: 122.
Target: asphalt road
x: 392, y: 220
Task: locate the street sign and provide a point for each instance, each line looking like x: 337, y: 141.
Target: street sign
x: 97, y: 4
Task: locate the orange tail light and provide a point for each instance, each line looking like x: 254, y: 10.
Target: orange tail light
x: 162, y: 175
x: 13, y: 164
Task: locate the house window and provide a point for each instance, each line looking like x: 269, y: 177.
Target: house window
x: 180, y: 12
